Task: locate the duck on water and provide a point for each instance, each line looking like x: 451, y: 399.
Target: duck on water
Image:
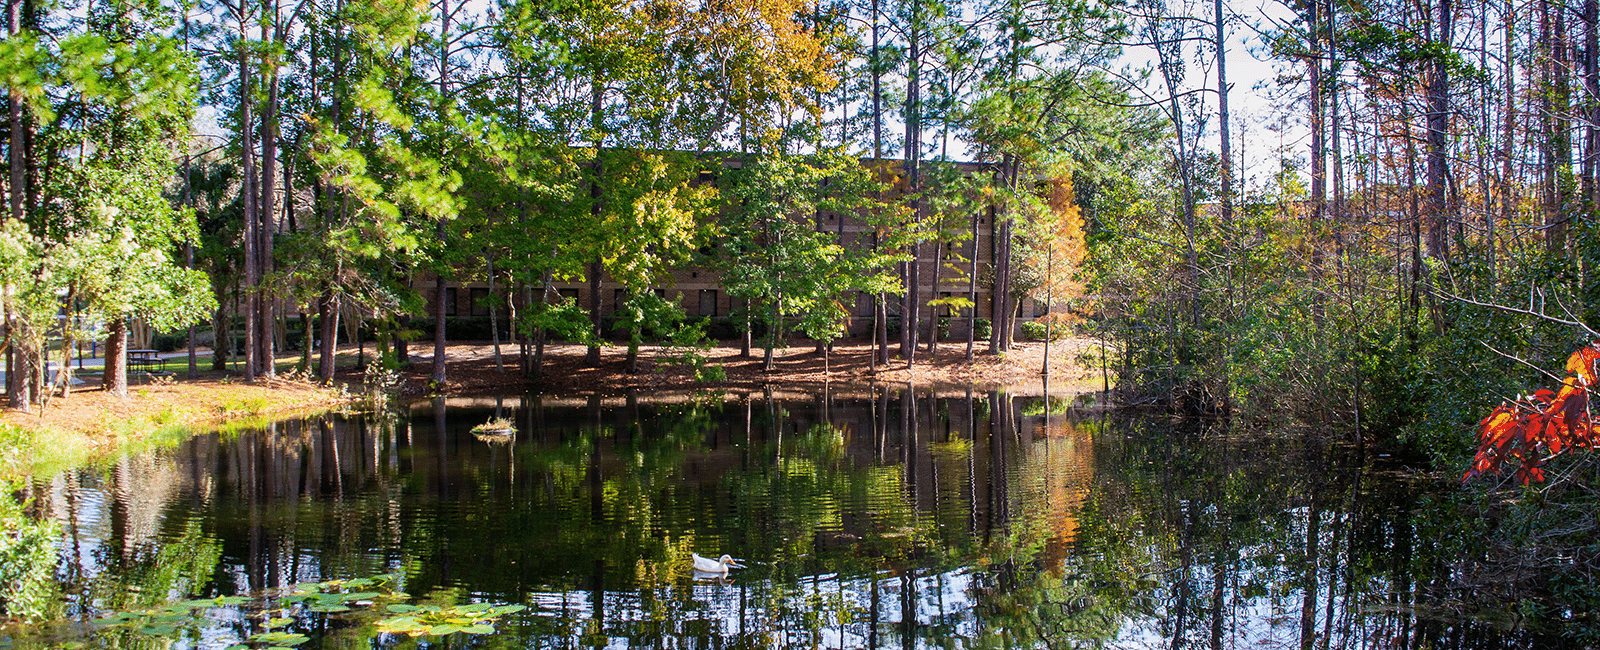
x: 720, y: 565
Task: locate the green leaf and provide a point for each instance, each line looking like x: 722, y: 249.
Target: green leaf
x: 441, y: 630
x: 478, y: 629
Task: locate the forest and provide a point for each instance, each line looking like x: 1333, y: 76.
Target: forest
x: 1409, y: 236
x: 1421, y: 218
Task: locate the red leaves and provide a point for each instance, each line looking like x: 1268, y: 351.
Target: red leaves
x: 1522, y: 434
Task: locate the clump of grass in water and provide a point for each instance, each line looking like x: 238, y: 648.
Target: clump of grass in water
x: 495, y: 425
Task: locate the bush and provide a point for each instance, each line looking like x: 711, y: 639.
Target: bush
x: 983, y: 329
x: 169, y: 342
x: 1035, y: 331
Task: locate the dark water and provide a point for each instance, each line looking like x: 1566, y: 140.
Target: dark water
x: 868, y: 518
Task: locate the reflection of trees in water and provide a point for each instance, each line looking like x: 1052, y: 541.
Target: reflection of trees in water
x: 1216, y: 538
x: 890, y: 517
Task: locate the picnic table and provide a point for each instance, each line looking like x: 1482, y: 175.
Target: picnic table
x: 144, y: 359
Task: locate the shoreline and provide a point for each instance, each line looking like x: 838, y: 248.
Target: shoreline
x: 472, y: 369
x: 91, y: 424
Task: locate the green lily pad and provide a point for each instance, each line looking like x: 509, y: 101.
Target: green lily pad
x: 280, y: 638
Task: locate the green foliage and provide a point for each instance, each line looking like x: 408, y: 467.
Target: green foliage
x: 983, y: 328
x: 1037, y: 330
x: 774, y: 256
x: 28, y: 587
x: 563, y: 320
x: 687, y: 346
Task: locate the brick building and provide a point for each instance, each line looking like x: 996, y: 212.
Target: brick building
x: 700, y: 293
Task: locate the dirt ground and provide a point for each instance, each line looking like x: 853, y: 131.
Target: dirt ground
x: 472, y: 369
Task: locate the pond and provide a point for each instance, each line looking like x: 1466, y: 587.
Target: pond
x: 873, y: 516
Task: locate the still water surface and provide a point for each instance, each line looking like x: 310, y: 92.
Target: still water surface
x: 869, y: 517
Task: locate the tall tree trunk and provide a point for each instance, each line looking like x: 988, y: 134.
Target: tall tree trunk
x: 538, y: 354
x: 1591, y: 107
x: 1438, y: 121
x: 220, y: 335
x: 911, y: 321
x: 266, y: 318
x: 593, y: 357
x: 440, y: 304
x: 440, y: 357
x: 248, y: 195
x: 494, y: 314
x: 115, y: 377
x: 16, y: 189
x: 188, y: 247
x: 597, y: 124
x: 880, y: 307
x: 328, y: 315
x: 1509, y: 123
x: 1225, y: 141
x: 972, y: 289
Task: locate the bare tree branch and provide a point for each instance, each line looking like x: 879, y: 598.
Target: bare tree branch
x: 1516, y: 310
x: 1519, y: 360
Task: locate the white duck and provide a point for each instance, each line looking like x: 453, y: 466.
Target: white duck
x: 719, y: 565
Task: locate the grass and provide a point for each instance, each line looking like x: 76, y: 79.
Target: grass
x: 496, y: 424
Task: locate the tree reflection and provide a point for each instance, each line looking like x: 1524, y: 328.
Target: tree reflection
x: 881, y: 516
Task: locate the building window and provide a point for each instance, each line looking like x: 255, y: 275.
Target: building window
x: 944, y: 310
x: 480, y: 302
x: 864, y: 304
x: 618, y: 296
x: 1040, y: 308
x: 708, y: 302
x: 563, y: 294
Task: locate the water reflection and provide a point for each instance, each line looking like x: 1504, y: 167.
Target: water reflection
x: 881, y: 517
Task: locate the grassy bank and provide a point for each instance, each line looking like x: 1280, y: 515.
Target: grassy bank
x: 91, y: 424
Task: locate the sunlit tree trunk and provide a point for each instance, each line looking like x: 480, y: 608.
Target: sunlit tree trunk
x: 266, y: 320
x: 115, y: 376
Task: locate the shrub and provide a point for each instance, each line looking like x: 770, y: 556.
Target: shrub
x: 1035, y: 331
